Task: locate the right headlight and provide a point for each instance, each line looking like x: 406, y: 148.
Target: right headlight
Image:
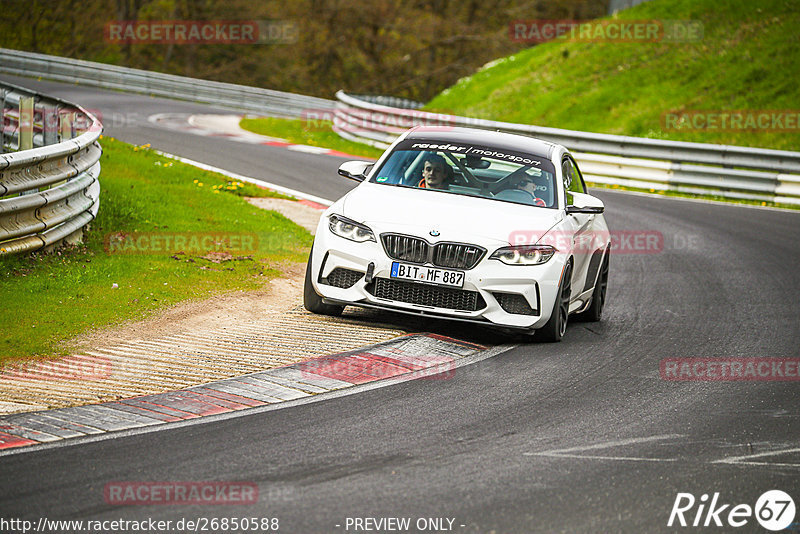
x: 524, y: 254
x: 344, y: 227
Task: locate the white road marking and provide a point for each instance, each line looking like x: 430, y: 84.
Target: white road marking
x: 309, y: 149
x: 248, y: 179
x: 744, y: 460
x: 589, y: 457
x: 569, y: 453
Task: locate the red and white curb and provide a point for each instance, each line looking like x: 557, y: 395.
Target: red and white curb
x: 195, y: 125
x: 405, y: 358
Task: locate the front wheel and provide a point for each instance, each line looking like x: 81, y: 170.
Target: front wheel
x: 595, y: 310
x: 555, y: 328
x: 313, y: 302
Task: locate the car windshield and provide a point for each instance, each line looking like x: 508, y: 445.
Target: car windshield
x: 470, y: 170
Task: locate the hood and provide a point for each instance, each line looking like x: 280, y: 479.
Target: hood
x: 459, y: 218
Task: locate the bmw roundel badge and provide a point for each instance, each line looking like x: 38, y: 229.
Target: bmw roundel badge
x: 434, y: 233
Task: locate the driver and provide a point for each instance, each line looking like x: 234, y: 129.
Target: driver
x: 436, y: 173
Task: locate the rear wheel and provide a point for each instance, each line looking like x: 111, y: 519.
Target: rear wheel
x: 313, y: 302
x: 595, y: 310
x: 556, y: 326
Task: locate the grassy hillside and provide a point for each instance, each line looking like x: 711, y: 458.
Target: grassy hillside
x: 747, y: 59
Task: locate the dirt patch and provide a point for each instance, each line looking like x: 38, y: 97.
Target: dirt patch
x: 302, y: 214
x: 277, y: 295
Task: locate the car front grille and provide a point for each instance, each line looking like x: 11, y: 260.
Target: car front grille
x: 416, y: 250
x: 406, y: 248
x: 457, y: 255
x: 427, y: 295
x: 514, y: 303
x: 343, y: 278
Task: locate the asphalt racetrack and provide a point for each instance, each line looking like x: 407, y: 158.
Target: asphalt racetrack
x: 579, y: 436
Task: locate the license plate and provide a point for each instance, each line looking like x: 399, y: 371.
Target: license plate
x: 428, y: 275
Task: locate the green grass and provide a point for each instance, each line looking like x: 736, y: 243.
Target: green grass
x: 308, y: 132
x: 50, y: 298
x: 748, y: 59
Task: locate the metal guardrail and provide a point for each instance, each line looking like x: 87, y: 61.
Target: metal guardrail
x: 226, y: 95
x: 49, y: 190
x: 696, y: 168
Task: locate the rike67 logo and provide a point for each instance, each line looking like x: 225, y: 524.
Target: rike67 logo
x: 774, y: 510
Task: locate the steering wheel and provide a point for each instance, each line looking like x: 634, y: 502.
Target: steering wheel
x: 520, y: 196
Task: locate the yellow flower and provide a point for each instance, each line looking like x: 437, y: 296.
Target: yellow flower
x: 200, y: 184
x: 196, y: 181
x: 216, y: 190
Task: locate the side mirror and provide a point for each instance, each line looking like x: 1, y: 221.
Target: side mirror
x: 583, y: 203
x: 355, y: 170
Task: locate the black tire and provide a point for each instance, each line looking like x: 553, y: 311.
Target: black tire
x: 313, y: 302
x: 556, y: 326
x: 594, y: 312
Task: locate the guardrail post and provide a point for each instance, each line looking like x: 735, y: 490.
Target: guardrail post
x: 25, y: 130
x: 50, y: 125
x: 66, y: 126
x: 2, y: 120
x: 25, y: 123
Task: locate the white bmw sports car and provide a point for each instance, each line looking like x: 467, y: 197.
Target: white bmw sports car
x: 464, y: 224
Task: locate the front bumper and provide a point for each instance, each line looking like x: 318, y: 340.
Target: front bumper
x: 494, y: 293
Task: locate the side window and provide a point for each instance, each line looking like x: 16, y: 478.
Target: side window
x: 566, y: 172
x: 573, y: 181
x: 577, y: 185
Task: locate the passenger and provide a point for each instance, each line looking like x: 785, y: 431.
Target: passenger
x: 436, y: 173
x: 530, y: 185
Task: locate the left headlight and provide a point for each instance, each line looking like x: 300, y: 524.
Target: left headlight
x: 344, y: 227
x: 524, y: 254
